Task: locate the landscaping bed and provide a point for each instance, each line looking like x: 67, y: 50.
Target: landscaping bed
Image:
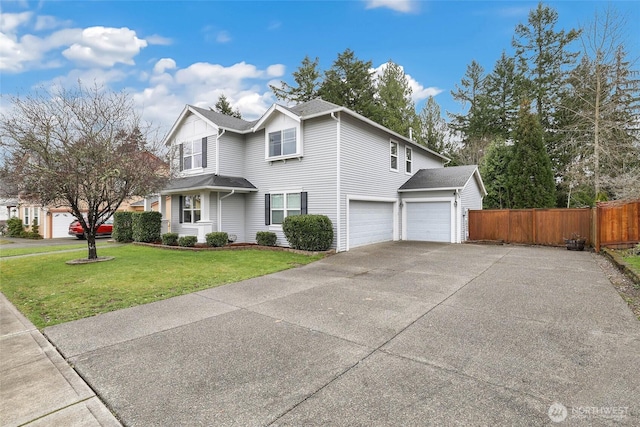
x: 623, y: 271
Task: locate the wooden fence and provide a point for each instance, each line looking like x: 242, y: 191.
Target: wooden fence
x: 609, y: 224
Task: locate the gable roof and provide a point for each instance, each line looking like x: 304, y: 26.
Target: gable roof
x: 451, y: 178
x: 304, y: 111
x: 209, y: 182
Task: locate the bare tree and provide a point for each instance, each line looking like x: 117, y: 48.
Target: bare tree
x: 83, y: 148
x: 602, y: 112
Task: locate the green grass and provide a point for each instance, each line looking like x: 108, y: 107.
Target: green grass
x: 6, y: 252
x: 634, y: 262
x: 48, y: 291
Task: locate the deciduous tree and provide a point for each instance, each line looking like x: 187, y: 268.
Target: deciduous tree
x: 82, y: 148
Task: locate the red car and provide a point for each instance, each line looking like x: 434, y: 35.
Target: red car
x: 75, y: 229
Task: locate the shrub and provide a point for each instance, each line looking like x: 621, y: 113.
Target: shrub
x: 15, y: 227
x: 122, y: 227
x: 266, y: 238
x: 187, y: 241
x: 308, y: 232
x: 170, y: 239
x: 147, y: 226
x: 217, y: 239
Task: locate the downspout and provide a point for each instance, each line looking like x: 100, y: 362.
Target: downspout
x: 338, y: 196
x: 457, y: 207
x: 220, y: 199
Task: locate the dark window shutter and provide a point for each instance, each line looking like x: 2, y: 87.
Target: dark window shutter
x: 303, y: 203
x: 181, y: 208
x: 267, y: 209
x: 181, y: 160
x: 204, y: 152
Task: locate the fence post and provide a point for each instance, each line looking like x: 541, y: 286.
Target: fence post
x: 533, y: 226
x: 595, y: 227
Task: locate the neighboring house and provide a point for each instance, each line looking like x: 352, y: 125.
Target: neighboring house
x: 375, y: 185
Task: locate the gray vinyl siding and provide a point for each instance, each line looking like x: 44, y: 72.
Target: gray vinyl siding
x: 314, y: 173
x: 233, y: 216
x: 232, y: 154
x: 365, y: 166
x: 470, y: 198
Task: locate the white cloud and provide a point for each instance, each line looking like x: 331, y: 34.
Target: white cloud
x: 159, y: 40
x: 105, y: 47
x: 9, y: 22
x: 164, y: 64
x: 276, y: 70
x: 223, y: 37
x: 48, y: 22
x: 404, y: 6
x: 418, y: 91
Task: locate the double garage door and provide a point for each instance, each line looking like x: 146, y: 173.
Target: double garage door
x: 373, y: 222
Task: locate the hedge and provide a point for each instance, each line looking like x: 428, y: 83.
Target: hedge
x: 187, y: 241
x: 147, y: 227
x: 308, y: 232
x: 217, y: 239
x: 266, y: 238
x: 170, y: 239
x: 122, y: 227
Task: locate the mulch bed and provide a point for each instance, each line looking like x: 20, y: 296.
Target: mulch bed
x: 236, y: 246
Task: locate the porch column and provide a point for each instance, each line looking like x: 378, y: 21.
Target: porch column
x: 162, y: 208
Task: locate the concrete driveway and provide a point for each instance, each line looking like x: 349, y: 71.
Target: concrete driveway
x: 391, y: 334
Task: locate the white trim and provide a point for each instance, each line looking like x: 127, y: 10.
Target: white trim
x: 397, y: 155
x: 182, y: 191
x: 275, y: 107
x: 338, y: 183
x: 406, y: 160
x: 284, y: 209
x: 417, y: 190
x: 453, y: 220
x: 358, y: 198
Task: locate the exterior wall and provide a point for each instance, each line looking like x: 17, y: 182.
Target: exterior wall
x: 231, y: 152
x: 365, y: 166
x: 194, y: 128
x: 314, y: 172
x: 233, y: 216
x: 470, y: 198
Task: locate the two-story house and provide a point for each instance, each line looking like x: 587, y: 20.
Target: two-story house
x: 375, y: 185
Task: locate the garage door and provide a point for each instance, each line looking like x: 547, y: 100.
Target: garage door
x: 429, y: 221
x: 60, y: 226
x: 370, y: 222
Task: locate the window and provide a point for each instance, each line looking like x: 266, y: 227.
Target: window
x: 36, y: 216
x: 282, y: 143
x: 192, y: 154
x: 408, y: 156
x: 26, y: 217
x: 190, y: 209
x: 394, y: 155
x: 278, y: 206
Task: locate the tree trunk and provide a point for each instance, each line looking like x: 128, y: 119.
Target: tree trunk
x: 91, y: 243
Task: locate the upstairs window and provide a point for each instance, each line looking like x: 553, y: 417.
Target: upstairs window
x: 408, y: 154
x: 193, y: 154
x: 283, y: 143
x: 393, y: 147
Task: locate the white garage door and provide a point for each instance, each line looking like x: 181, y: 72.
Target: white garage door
x: 429, y: 221
x: 61, y: 221
x: 370, y: 222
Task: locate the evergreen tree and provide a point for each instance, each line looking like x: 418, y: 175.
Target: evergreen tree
x: 224, y: 107
x: 530, y: 177
x: 472, y: 126
x: 433, y: 129
x: 397, y: 110
x: 543, y: 59
x: 504, y: 88
x: 307, y: 78
x: 494, y: 169
x: 349, y: 83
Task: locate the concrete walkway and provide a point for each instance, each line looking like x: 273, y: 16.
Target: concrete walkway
x: 391, y: 334
x: 37, y: 386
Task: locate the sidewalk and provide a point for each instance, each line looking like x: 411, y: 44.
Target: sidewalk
x: 37, y: 386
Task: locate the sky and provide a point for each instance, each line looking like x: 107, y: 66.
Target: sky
x: 166, y: 54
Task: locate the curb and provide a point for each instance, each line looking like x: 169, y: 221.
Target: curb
x: 622, y: 265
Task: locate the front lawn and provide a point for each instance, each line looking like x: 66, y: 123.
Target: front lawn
x: 6, y: 252
x: 48, y: 291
